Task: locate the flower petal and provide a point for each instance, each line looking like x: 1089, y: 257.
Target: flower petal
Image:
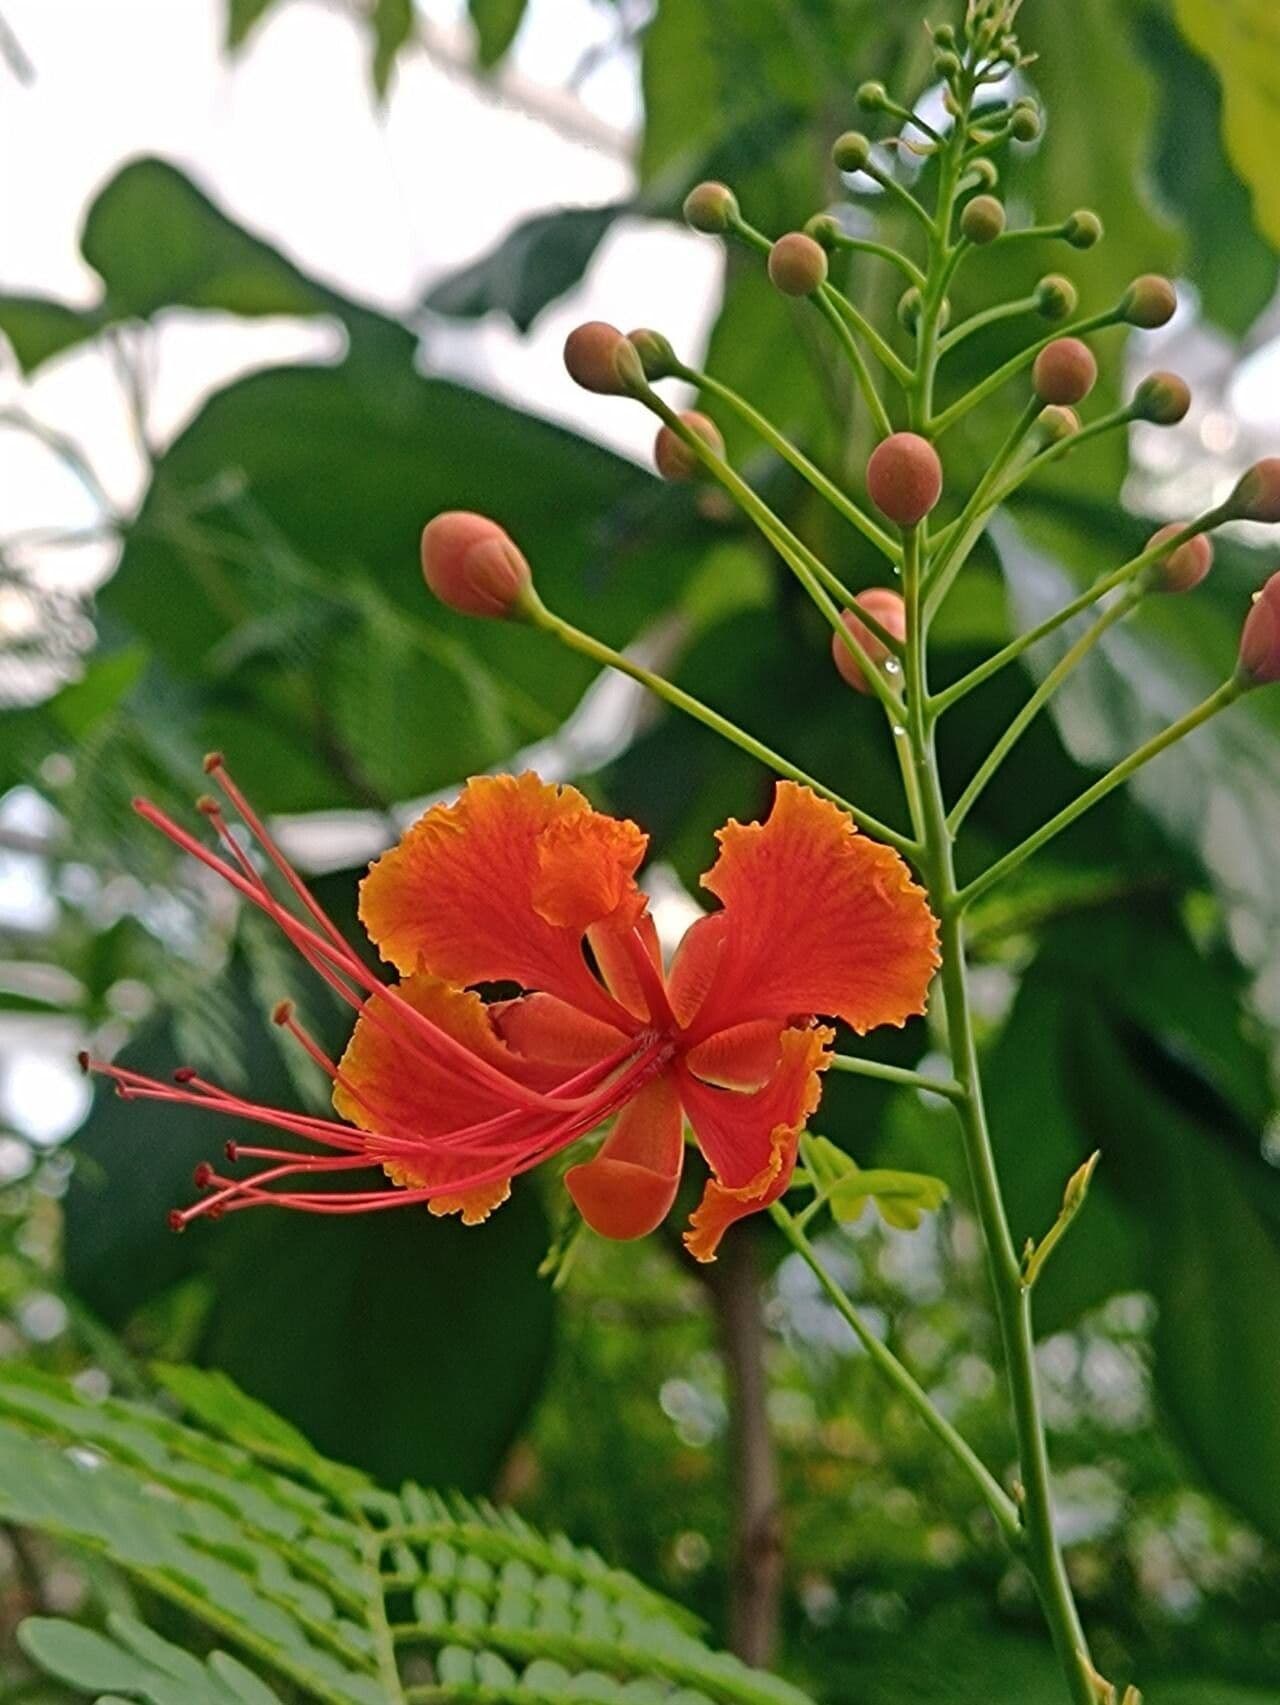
x: 818, y: 919
x: 388, y: 1086
x: 743, y: 1057
x: 550, y: 1032
x: 737, y: 1131
x: 768, y: 1126
x: 502, y: 885
x: 613, y: 956
x: 627, y: 1189
x: 696, y: 961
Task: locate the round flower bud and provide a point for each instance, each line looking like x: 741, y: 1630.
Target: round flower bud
x: 473, y: 566
x: 1260, y: 640
x: 1161, y: 398
x: 1056, y: 423
x: 1149, y: 302
x: 944, y: 35
x: 656, y: 354
x: 947, y: 64
x: 673, y: 458
x: 1024, y: 123
x: 1065, y: 371
x: 984, y: 172
x: 851, y: 151
x: 600, y: 359
x: 871, y: 97
x: 1183, y: 568
x: 797, y: 265
x: 982, y: 220
x: 904, y: 478
x: 886, y: 606
x: 909, y: 306
x: 1257, y: 493
x: 1082, y: 229
x: 1056, y: 297
x: 824, y: 228
x: 711, y: 208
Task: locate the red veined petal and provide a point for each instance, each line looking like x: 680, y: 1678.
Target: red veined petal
x: 695, y: 964
x: 736, y: 1129
x: 502, y: 885
x: 548, y: 1031
x: 743, y: 1057
x: 626, y: 1190
x: 818, y: 919
x: 613, y: 956
x: 736, y: 1132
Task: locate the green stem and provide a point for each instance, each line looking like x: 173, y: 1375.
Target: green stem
x: 858, y: 322
x: 988, y: 317
x: 947, y: 1087
x: 1016, y: 364
x: 1226, y: 694
x: 864, y: 245
x: 783, y: 447
x: 997, y: 1500
x: 861, y: 372
x: 598, y: 652
x: 1127, y: 570
x: 1043, y: 693
x: 956, y: 541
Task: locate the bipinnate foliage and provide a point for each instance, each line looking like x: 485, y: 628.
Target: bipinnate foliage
x: 325, y: 1585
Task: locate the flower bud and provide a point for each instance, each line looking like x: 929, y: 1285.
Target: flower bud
x: 947, y: 64
x: 984, y: 172
x: 1082, y: 229
x: 1260, y: 640
x: 673, y: 458
x: 473, y: 566
x: 944, y: 35
x: 1149, y: 302
x: 909, y: 306
x: 1056, y: 423
x: 904, y: 478
x: 886, y: 606
x: 656, y: 354
x: 1024, y: 123
x: 872, y: 97
x: 851, y: 151
x: 711, y: 208
x: 797, y: 265
x: 1056, y: 297
x: 824, y: 228
x: 599, y: 358
x: 1182, y: 568
x: 1257, y: 493
x: 1065, y: 371
x: 982, y: 220
x: 1161, y: 398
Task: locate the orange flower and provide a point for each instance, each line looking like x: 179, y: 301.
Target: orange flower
x: 520, y: 882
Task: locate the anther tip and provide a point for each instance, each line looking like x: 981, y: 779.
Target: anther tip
x: 282, y: 1012
x: 207, y: 805
x: 212, y: 762
x: 82, y: 1059
x: 184, y: 1074
x: 232, y: 1150
x: 177, y: 1219
x: 202, y: 1177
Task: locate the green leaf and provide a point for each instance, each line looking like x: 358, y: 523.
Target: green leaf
x: 392, y: 24
x: 496, y: 23
x: 242, y: 15
x: 38, y: 328
x: 903, y: 1198
x: 1232, y: 267
x: 330, y: 1590
x: 138, y: 1663
x: 537, y: 261
x: 1238, y: 38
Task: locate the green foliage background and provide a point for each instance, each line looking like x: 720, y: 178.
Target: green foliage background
x: 266, y: 602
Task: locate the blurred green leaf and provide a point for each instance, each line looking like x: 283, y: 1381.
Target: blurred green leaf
x: 537, y: 261
x: 242, y: 15
x: 496, y: 23
x: 392, y: 24
x: 39, y: 328
x: 138, y: 1663
x: 1238, y: 38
